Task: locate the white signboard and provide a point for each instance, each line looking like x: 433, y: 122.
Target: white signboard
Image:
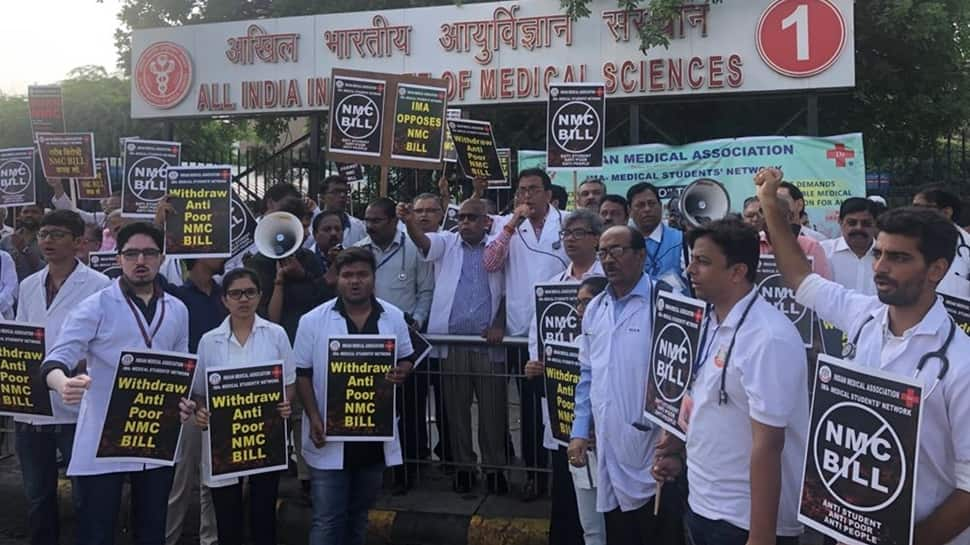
x: 497, y: 52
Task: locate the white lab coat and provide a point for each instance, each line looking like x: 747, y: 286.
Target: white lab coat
x: 529, y: 261
x: 957, y: 279
x: 99, y: 329
x: 8, y: 285
x: 311, y: 351
x: 617, y: 355
x: 81, y: 283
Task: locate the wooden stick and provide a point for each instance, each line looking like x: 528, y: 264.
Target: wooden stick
x: 656, y: 498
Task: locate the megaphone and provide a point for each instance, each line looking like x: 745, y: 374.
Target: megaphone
x: 278, y: 235
x: 703, y: 201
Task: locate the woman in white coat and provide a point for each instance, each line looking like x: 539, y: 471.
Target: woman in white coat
x: 243, y: 338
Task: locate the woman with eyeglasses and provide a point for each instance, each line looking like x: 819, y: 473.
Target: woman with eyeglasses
x: 243, y: 338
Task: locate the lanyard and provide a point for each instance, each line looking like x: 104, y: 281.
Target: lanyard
x: 144, y: 328
x: 400, y: 248
x: 653, y: 267
x: 722, y: 396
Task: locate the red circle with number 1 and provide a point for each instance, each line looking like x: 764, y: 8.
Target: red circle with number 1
x: 801, y: 38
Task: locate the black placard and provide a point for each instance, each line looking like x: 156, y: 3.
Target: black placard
x: 772, y: 287
x: 678, y: 322
x: 561, y: 375
x: 201, y: 223
x: 66, y: 155
x: 450, y: 155
x: 142, y: 423
x: 505, y: 159
x: 576, y: 119
x: 556, y: 316
x: 418, y: 132
x: 475, y: 146
x: 360, y: 401
x: 18, y: 184
x: 352, y: 172
x: 357, y: 116
x: 247, y: 435
x: 145, y: 166
x: 959, y: 310
x: 46, y: 106
x: 98, y: 187
x: 105, y: 263
x: 859, y: 477
x: 243, y: 226
x: 22, y: 391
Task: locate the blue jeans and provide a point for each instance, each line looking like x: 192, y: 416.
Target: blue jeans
x: 101, y: 502
x: 704, y: 531
x: 37, y: 448
x: 341, y: 499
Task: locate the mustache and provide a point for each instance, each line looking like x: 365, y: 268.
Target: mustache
x: 884, y: 278
x: 858, y: 234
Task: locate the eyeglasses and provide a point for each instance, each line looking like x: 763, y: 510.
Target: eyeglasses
x: 529, y: 190
x: 238, y: 295
x: 133, y: 254
x: 574, y: 233
x: 616, y: 252
x: 53, y: 234
x: 468, y: 217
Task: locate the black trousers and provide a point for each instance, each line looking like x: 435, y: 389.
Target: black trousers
x: 641, y: 527
x: 564, y: 525
x: 530, y: 393
x: 228, y: 501
x: 704, y: 531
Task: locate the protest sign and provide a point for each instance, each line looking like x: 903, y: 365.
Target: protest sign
x: 98, y: 187
x: 360, y: 401
x: 142, y: 423
x: 772, y: 287
x: 66, y: 155
x: 677, y: 325
x: 17, y: 181
x: 22, y: 391
x: 46, y: 106
x: 247, y: 435
x: 859, y: 476
x: 576, y: 121
x: 450, y: 155
x: 357, y: 115
x: 105, y: 263
x: 556, y: 317
x: 475, y: 145
x: 959, y: 310
x: 450, y: 221
x: 418, y: 131
x: 833, y: 338
x: 243, y: 226
x: 201, y: 223
x: 352, y: 172
x: 420, y: 345
x: 505, y: 159
x: 561, y: 375
x: 145, y: 164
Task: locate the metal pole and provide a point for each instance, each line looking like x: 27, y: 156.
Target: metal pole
x: 316, y: 158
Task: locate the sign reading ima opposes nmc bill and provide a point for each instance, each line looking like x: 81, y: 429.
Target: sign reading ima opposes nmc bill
x: 492, y: 52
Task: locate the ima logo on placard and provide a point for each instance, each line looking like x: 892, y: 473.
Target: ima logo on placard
x: 15, y: 177
x: 163, y: 74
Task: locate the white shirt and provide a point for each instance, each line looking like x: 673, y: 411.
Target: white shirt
x: 171, y: 269
x: 99, y: 328
x: 617, y: 355
x: 447, y: 256
x: 957, y: 279
x: 355, y: 232
x: 848, y: 269
x: 944, y: 445
x: 402, y: 277
x: 82, y: 282
x: 812, y: 233
x: 8, y: 285
x: 219, y: 348
x: 766, y: 382
x: 529, y: 261
x: 311, y: 351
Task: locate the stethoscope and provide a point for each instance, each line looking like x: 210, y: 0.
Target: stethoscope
x: 555, y: 245
x: 849, y: 353
x: 722, y: 396
x: 402, y: 276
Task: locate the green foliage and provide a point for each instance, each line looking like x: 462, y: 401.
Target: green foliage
x: 653, y: 32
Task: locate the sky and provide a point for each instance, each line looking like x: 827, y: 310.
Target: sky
x: 43, y: 40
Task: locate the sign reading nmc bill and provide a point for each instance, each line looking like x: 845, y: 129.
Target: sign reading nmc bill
x: 201, y: 223
x: 419, y: 123
x: 772, y: 287
x: 247, y: 435
x: 357, y: 115
x: 476, y: 149
x: 17, y: 187
x: 360, y: 401
x: 142, y: 423
x: 576, y: 121
x: 676, y: 343
x: 556, y: 316
x: 243, y: 226
x: 145, y: 165
x: 21, y: 353
x: 98, y: 187
x: 859, y: 479
x: 66, y: 155
x: 561, y: 377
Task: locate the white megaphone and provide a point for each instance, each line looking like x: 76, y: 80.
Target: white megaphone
x: 278, y: 235
x: 704, y: 200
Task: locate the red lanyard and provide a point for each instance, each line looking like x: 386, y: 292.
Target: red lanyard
x: 144, y: 328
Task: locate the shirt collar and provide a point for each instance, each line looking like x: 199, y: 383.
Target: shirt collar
x: 658, y: 233
x: 340, y: 309
x: 842, y: 246
x: 642, y: 289
x: 396, y: 241
x: 128, y: 291
x: 596, y: 269
x: 734, y: 316
x: 934, y: 322
x: 225, y: 328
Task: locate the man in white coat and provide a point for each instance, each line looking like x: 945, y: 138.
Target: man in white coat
x: 614, y: 358
x: 131, y: 313
x: 46, y: 297
x: 956, y: 283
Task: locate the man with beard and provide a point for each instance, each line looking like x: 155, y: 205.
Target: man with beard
x: 22, y: 244
x: 892, y: 332
x: 591, y: 193
x: 133, y: 313
x: 328, y: 236
x: 614, y: 210
x: 850, y: 256
x: 335, y: 192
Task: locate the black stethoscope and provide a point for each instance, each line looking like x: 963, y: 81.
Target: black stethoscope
x: 722, y: 397
x: 555, y: 245
x: 402, y: 276
x: 849, y: 353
